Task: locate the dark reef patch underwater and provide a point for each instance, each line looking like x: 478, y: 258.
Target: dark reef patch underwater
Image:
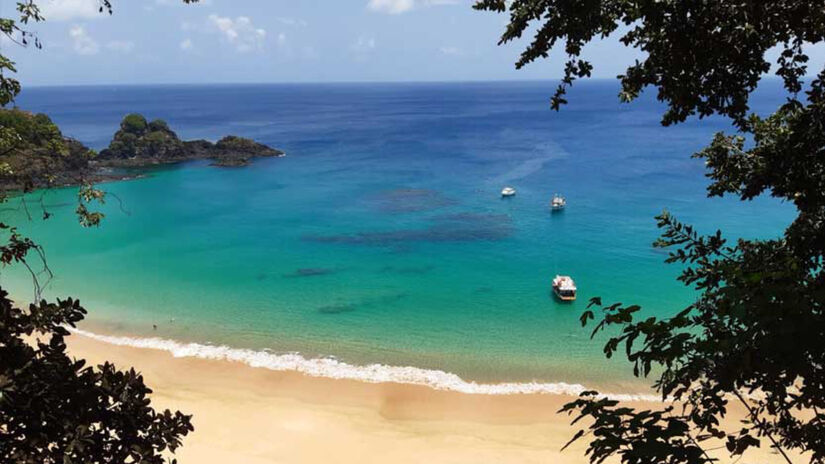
x: 382, y: 237
x: 311, y: 272
x: 459, y: 227
x: 381, y: 303
x: 409, y: 200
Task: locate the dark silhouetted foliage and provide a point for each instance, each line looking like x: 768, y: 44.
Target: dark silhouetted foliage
x: 756, y: 332
x: 703, y: 57
x: 34, y: 153
x: 54, y: 408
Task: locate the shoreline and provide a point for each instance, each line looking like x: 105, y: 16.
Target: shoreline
x: 253, y: 415
x: 334, y: 369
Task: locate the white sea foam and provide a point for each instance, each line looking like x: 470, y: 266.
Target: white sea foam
x: 335, y: 369
x: 550, y: 150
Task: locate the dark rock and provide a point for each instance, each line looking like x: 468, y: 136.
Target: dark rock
x: 35, y: 154
x: 230, y: 163
x: 139, y: 143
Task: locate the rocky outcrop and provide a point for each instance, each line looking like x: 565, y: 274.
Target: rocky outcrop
x: 140, y: 142
x: 34, y: 153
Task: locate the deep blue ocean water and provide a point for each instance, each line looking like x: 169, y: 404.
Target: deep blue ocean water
x: 382, y: 236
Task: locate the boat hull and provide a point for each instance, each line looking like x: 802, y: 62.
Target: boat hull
x: 561, y: 297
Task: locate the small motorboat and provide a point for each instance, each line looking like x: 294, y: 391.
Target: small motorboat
x: 508, y: 192
x: 558, y: 203
x: 564, y: 288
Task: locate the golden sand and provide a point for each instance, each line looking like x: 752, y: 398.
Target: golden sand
x: 251, y: 415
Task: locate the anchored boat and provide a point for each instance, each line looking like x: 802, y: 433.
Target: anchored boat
x: 558, y: 203
x: 564, y: 288
x: 508, y: 192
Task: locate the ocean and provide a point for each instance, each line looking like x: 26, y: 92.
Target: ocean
x: 380, y: 247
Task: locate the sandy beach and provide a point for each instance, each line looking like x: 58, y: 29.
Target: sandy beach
x: 254, y: 415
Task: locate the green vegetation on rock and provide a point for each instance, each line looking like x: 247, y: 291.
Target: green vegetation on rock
x: 34, y: 153
x: 134, y: 124
x: 138, y: 138
x: 53, y: 407
x: 140, y: 143
x: 158, y: 125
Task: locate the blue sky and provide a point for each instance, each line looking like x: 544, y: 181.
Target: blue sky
x: 221, y: 41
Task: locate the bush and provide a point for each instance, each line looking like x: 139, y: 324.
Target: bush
x: 158, y: 125
x: 57, y: 409
x: 36, y: 130
x: 133, y: 124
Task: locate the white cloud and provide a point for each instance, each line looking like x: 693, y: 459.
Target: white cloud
x: 363, y: 45
x: 452, y: 51
x: 240, y: 32
x: 186, y: 45
x: 67, y: 10
x: 361, y: 48
x: 81, y: 42
x: 403, y: 6
x: 120, y: 46
x: 291, y: 21
x: 180, y: 2
x: 288, y: 50
x: 391, y: 6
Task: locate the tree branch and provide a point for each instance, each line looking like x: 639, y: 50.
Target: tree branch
x: 761, y: 424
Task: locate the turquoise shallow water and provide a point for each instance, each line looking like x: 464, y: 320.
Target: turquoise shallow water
x: 381, y: 237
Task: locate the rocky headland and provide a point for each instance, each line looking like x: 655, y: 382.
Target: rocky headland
x: 35, y: 154
x: 140, y: 143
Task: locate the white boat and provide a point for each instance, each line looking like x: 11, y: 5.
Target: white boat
x: 508, y: 192
x: 564, y: 288
x: 558, y: 202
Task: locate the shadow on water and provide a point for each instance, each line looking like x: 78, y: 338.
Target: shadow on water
x: 380, y: 301
x: 338, y: 308
x: 311, y: 272
x: 460, y: 227
x: 408, y: 270
x: 410, y: 200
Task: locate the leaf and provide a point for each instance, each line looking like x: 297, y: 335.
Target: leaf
x: 578, y: 435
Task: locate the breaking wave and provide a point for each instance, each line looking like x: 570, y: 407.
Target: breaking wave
x: 335, y: 369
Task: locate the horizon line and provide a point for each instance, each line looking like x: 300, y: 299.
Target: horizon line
x: 554, y: 81
x: 251, y: 83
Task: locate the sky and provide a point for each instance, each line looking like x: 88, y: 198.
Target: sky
x: 240, y: 41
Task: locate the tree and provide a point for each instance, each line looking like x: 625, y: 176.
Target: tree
x: 755, y: 334
x: 134, y: 124
x: 54, y: 408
